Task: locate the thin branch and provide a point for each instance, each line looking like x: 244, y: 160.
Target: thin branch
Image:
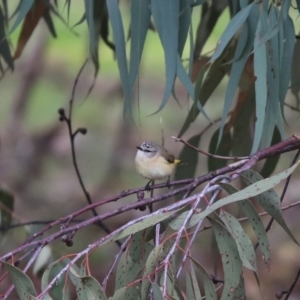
x: 9, y: 227
x: 72, y: 136
x: 123, y: 247
x: 292, y: 286
x: 207, y: 153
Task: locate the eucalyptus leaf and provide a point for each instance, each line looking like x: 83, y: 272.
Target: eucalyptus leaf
x: 21, y: 281
x: 268, y: 199
x: 232, y: 264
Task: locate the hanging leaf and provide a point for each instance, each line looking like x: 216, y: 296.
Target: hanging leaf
x: 210, y: 292
x: 6, y: 207
x: 4, y: 46
x: 241, y: 135
x: 231, y: 262
x: 190, y: 159
x: 22, y: 9
x: 119, y: 39
x: 140, y: 20
x: 155, y: 258
x: 268, y: 199
x: 271, y: 162
x: 165, y: 15
x: 31, y: 19
x: 234, y: 25
x: 223, y: 150
x: 21, y: 281
x: 244, y: 245
x: 260, y: 71
x: 255, y: 221
x: 218, y: 69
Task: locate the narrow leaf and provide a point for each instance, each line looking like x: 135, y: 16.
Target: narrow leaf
x: 269, y: 199
x: 140, y: 20
x: 157, y: 293
x: 24, y: 7
x: 210, y: 292
x: 231, y: 262
x: 21, y: 281
x: 223, y: 149
x: 6, y: 207
x: 260, y: 71
x: 244, y: 245
x: 119, y: 39
x: 165, y: 16
x: 196, y: 288
x: 236, y: 22
x: 141, y: 225
x: 253, y: 190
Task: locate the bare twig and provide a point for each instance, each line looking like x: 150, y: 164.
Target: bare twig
x: 72, y: 135
x: 207, y: 153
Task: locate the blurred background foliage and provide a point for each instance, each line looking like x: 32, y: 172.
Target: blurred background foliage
x: 35, y: 157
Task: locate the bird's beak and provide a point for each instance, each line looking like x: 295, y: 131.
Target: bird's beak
x: 139, y: 148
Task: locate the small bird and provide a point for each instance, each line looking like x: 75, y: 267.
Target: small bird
x: 154, y: 162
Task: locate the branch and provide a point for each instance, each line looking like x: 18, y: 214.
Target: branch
x: 68, y: 120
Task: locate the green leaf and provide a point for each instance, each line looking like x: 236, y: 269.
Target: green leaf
x: 295, y: 72
x: 130, y: 267
x: 257, y: 188
x: 185, y: 13
x: 242, y: 135
x: 44, y: 257
x: 119, y: 39
x: 173, y: 290
x: 244, y: 245
x: 271, y: 162
x: 209, y: 288
x: 269, y: 199
x: 165, y: 15
x: 88, y: 287
x: 178, y: 221
x: 223, y: 150
x: 236, y: 22
x: 234, y: 78
x: 89, y: 16
x: 145, y: 223
x: 204, y: 90
x: 190, y: 158
x: 4, y: 46
x: 49, y: 22
x: 119, y: 294
x: 23, y: 8
x: 140, y: 20
x: 51, y: 271
x: 155, y: 258
x: 255, y: 221
x: 258, y: 227
x: 157, y: 293
x: 6, y: 207
x: 260, y: 71
x: 21, y: 281
x: 286, y: 58
x: 195, y: 286
x: 189, y: 287
x: 231, y: 262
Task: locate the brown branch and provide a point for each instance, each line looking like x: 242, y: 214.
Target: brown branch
x: 289, y: 144
x: 207, y: 153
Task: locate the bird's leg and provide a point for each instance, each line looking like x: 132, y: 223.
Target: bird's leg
x: 147, y: 187
x: 168, y: 182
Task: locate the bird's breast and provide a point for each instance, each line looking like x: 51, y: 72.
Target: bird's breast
x: 153, y: 168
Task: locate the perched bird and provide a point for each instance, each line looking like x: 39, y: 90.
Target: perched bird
x: 154, y: 162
